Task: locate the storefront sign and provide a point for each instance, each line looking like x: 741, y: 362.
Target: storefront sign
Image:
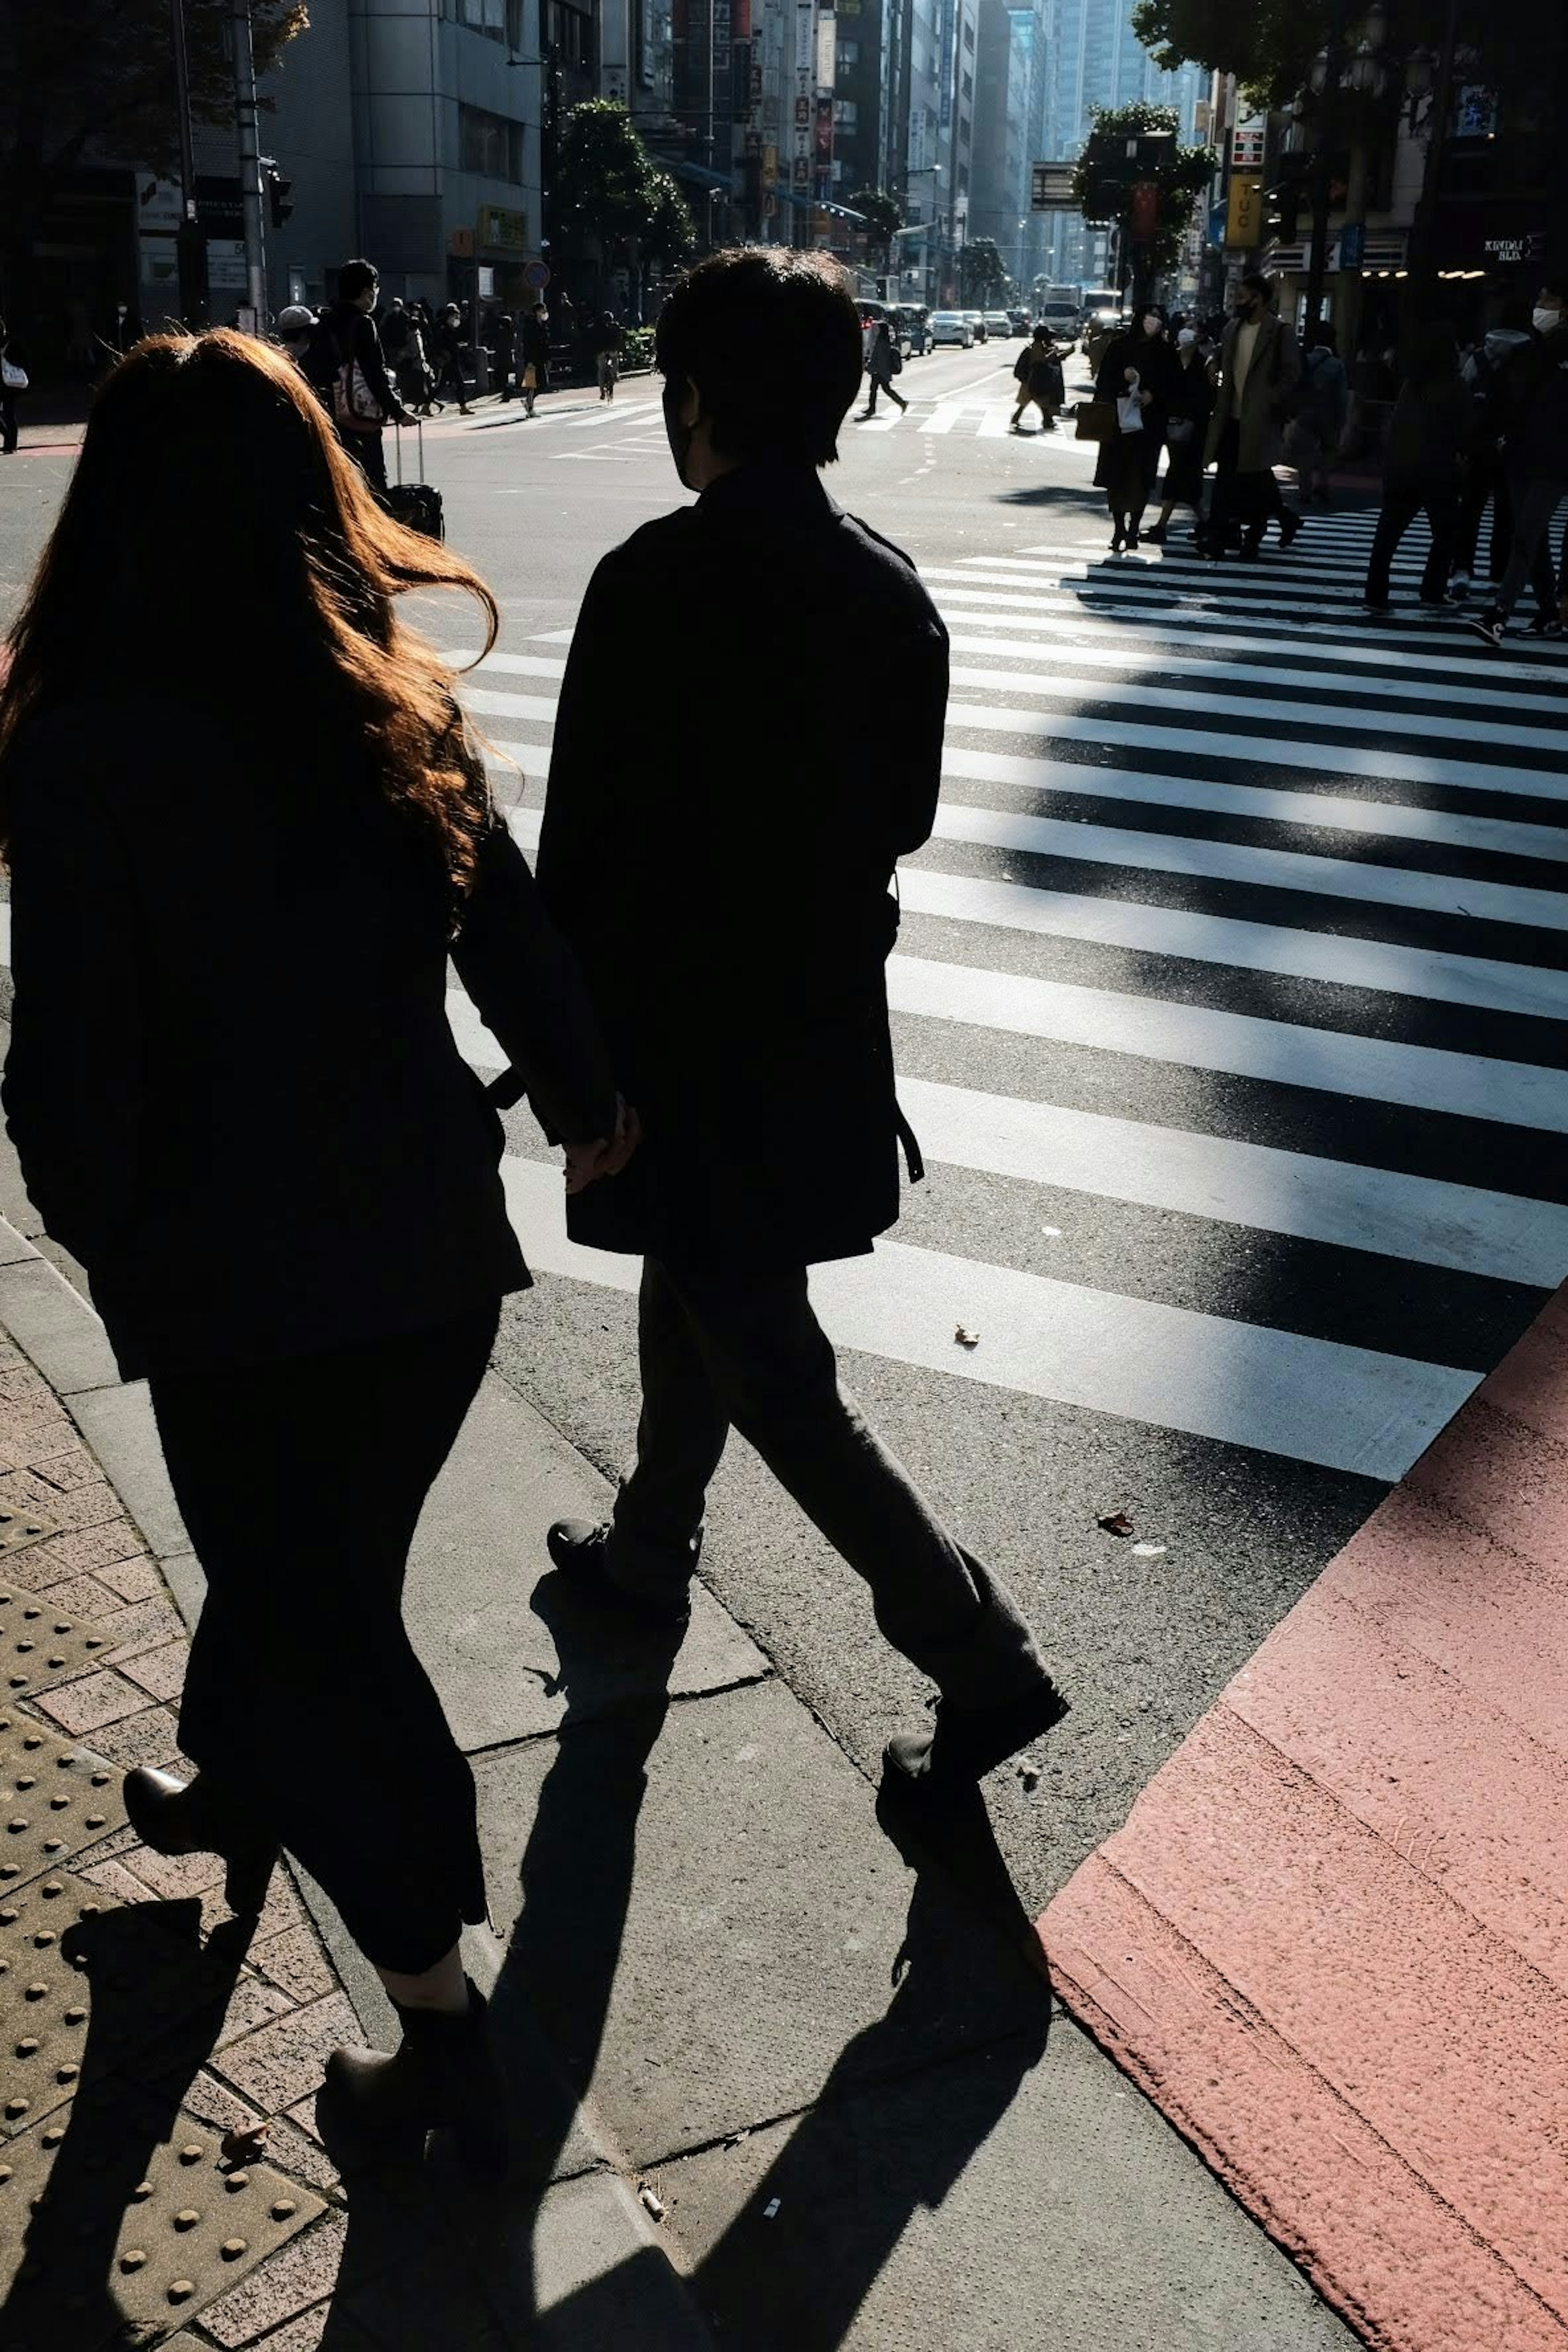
x: 824, y: 129
x: 1508, y: 252
x: 1244, y: 215
x: 1143, y: 209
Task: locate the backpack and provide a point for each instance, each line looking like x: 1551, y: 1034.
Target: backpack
x: 331, y: 366
x: 895, y: 362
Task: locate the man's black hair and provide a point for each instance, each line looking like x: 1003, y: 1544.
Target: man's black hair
x: 355, y: 277
x: 1260, y: 284
x: 771, y: 338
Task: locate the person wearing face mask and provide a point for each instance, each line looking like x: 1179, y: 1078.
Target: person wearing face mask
x: 1535, y: 461
x: 1191, y: 405
x: 729, y: 892
x: 536, y: 350
x: 1259, y: 368
x: 1140, y: 366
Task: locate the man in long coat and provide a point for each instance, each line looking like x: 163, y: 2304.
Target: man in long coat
x: 723, y: 872
x: 1260, y: 365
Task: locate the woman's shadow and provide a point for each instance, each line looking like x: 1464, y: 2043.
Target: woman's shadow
x: 156, y: 1997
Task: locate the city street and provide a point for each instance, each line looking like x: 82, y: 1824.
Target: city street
x: 1230, y: 1009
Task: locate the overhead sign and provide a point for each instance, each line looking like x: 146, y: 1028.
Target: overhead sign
x: 1246, y: 146
x: 1244, y: 215
x: 1050, y: 188
x: 537, y: 275
x: 1353, y: 245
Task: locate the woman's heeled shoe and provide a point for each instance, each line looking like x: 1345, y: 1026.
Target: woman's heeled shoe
x: 176, y: 1817
x: 1117, y: 543
x: 443, y: 2076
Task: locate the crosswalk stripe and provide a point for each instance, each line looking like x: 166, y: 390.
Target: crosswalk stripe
x: 1204, y: 594
x: 1340, y: 959
x: 1304, y: 712
x: 1414, y: 1219
x: 1331, y: 1061
x: 1310, y: 675
x: 1088, y: 611
x: 1280, y: 869
x: 1313, y: 1401
x: 1395, y: 820
x: 1533, y: 990
x: 1264, y: 749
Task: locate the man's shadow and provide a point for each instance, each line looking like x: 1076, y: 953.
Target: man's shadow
x: 156, y: 1999
x: 883, y: 2142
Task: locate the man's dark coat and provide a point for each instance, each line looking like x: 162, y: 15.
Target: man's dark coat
x: 749, y: 736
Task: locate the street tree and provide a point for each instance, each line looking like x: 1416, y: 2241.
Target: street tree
x: 1102, y: 181
x: 81, y: 80
x: 608, y: 193
x: 883, y: 216
x: 1270, y: 45
x: 982, y: 273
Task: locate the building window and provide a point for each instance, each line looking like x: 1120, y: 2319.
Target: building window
x: 488, y: 17
x: 968, y: 35
x: 848, y: 55
x: 570, y: 33
x: 846, y: 114
x: 969, y: 85
x: 490, y: 146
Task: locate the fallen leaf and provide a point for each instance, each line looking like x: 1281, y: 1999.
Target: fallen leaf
x: 966, y: 1339
x: 1115, y: 1523
x: 1149, y: 1550
x: 243, y: 2146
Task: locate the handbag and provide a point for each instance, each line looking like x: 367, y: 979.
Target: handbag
x: 1095, y: 420
x: 1128, y: 415
x: 531, y: 378
x: 354, y: 403
x: 1180, y: 431
x: 12, y: 377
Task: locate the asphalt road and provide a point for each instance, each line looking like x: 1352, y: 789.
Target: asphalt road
x: 1229, y: 1002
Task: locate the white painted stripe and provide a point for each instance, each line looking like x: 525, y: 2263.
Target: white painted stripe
x: 1134, y: 662
x: 1264, y: 749
x: 497, y: 665
x: 1422, y: 1078
x: 1277, y: 869
x: 484, y: 703
x: 1532, y: 990
x: 1302, y: 709
x: 1149, y: 593
x: 994, y: 424
x: 1392, y: 820
x: 943, y: 417
x: 1414, y: 1219
x: 1335, y: 573
x: 1069, y: 614
x: 1311, y: 1400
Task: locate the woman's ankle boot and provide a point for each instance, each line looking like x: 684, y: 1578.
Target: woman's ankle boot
x: 201, y: 1816
x: 443, y: 2077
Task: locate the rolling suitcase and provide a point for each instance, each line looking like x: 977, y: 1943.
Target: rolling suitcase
x: 415, y: 505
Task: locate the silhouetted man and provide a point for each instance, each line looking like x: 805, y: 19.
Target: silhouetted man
x: 726, y: 883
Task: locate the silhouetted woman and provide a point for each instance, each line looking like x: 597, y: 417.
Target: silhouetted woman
x: 1139, y: 366
x: 237, y: 1101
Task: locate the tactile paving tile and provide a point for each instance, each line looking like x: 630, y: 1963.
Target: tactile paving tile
x: 19, y: 1528
x: 72, y: 1960
x: 117, y: 2224
x: 53, y: 1799
x: 40, y: 1645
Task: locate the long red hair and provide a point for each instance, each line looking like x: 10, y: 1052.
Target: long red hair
x: 216, y: 541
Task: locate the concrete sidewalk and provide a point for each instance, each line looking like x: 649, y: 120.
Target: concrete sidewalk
x: 786, y: 2075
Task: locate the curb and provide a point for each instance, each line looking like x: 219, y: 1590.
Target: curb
x: 1331, y: 1942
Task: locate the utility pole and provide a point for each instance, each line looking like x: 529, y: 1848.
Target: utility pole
x: 190, y: 245
x: 249, y: 164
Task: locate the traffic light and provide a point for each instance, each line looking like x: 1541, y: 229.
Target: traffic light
x: 280, y: 197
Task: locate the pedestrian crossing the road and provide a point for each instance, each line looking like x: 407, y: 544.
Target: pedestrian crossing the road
x: 1243, y: 917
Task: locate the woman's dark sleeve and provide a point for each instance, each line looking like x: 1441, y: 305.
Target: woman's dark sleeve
x: 74, y: 1089
x: 1109, y: 383
x: 532, y: 996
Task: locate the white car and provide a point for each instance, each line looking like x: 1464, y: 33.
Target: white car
x: 977, y: 322
x: 999, y: 324
x: 951, y: 327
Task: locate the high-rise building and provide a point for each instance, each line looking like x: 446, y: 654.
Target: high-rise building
x: 1010, y: 96
x: 1095, y: 58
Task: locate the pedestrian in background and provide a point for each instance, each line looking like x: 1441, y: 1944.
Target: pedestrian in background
x: 1186, y: 426
x: 305, y: 1260
x: 535, y: 356
x: 446, y: 357
x: 1138, y: 372
x: 1423, y: 465
x: 1258, y: 369
x: 883, y: 362
x: 1485, y: 378
x: 734, y: 917
x: 505, y: 354
x: 1037, y: 372
x: 297, y: 331
x: 343, y: 362
x: 1535, y: 464
x: 13, y: 381
x: 608, y: 341
x: 1323, y: 401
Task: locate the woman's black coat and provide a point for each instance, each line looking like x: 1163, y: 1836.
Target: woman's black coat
x: 232, y: 1084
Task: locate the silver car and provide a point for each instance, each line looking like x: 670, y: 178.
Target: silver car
x: 951, y: 327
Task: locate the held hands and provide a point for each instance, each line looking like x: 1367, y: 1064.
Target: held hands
x: 586, y: 1163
